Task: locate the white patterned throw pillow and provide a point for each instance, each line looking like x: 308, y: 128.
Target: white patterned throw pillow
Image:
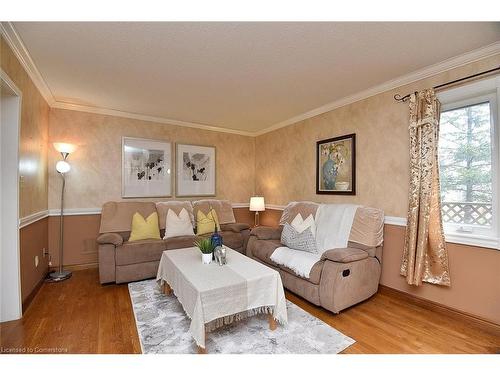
x: 303, y: 241
x: 300, y: 224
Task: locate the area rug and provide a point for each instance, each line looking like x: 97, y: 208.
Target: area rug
x: 163, y: 328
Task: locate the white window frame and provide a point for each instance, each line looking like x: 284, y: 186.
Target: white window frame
x: 487, y: 90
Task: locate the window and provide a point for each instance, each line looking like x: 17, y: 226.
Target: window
x: 468, y: 162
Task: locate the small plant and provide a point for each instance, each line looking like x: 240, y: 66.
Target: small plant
x: 205, y: 245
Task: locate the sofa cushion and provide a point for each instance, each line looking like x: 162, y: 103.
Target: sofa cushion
x: 264, y: 249
x: 345, y: 255
x: 223, y: 208
x: 314, y: 274
x: 267, y: 233
x: 180, y: 242
x: 232, y: 239
x: 234, y: 227
x: 139, y: 251
x: 117, y: 216
x: 175, y: 206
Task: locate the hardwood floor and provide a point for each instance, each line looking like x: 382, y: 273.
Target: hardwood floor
x: 81, y: 316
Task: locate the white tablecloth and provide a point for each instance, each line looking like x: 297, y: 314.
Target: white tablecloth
x: 214, y: 295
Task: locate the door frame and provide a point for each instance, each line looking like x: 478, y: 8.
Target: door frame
x: 10, y: 260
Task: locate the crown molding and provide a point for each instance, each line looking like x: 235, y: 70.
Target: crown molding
x: 138, y: 116
x: 16, y: 44
x: 454, y: 62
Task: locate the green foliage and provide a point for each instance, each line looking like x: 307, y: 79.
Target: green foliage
x: 205, y: 245
x: 465, y: 154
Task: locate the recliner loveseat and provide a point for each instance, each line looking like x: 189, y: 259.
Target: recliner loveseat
x: 343, y: 277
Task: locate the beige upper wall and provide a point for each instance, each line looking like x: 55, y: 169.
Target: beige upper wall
x: 33, y: 136
x: 286, y: 158
x: 95, y: 176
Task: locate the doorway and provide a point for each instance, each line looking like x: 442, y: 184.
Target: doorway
x: 10, y: 277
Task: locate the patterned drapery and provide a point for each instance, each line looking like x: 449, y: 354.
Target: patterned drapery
x: 424, y: 257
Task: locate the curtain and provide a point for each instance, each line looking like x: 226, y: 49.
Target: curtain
x: 425, y: 258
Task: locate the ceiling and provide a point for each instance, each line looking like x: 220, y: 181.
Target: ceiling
x: 241, y: 76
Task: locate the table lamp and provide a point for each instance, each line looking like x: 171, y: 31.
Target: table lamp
x: 257, y: 205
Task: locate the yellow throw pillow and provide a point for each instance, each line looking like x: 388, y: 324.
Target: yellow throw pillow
x: 144, y: 229
x: 207, y: 223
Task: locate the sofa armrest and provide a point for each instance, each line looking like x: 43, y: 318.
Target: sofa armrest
x: 234, y: 227
x: 110, y: 238
x: 267, y: 233
x: 345, y: 255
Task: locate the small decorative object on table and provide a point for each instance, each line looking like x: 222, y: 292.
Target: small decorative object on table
x: 216, y: 240
x: 207, y: 248
x: 220, y: 255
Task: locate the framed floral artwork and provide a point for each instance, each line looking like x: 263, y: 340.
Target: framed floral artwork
x: 195, y: 172
x: 336, y: 165
x: 146, y: 168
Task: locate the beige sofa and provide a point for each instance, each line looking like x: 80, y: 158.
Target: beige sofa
x: 122, y: 261
x: 343, y: 277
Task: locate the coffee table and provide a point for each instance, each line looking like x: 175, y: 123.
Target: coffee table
x: 213, y: 295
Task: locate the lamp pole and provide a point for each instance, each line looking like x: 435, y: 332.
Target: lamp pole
x: 61, y: 274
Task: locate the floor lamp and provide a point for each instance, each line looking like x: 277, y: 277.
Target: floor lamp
x: 62, y: 167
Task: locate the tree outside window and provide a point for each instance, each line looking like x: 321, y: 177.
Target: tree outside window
x: 465, y: 164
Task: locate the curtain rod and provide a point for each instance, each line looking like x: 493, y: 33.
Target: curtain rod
x: 402, y: 99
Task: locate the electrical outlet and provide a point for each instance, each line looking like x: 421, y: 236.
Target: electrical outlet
x: 36, y: 261
x: 45, y: 252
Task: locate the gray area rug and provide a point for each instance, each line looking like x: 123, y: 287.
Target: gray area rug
x: 163, y: 328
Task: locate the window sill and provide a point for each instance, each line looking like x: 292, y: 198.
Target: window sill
x: 473, y: 240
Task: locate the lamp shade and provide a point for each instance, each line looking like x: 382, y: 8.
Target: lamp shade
x: 67, y: 148
x: 63, y: 166
x: 257, y: 204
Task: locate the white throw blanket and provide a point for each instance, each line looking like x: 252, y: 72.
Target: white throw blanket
x: 333, y: 226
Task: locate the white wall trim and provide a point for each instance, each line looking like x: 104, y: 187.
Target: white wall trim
x: 17, y: 45
x: 75, y: 211
x: 275, y: 207
x: 464, y: 239
x: 406, y: 79
x: 33, y: 218
x: 240, y: 205
x: 394, y: 220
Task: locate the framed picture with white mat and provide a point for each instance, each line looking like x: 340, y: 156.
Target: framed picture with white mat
x: 195, y: 170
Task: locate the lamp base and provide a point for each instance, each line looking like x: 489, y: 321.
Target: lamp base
x: 57, y: 276
x: 256, y: 222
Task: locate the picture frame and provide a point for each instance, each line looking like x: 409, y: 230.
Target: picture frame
x: 195, y: 170
x: 336, y: 165
x: 146, y: 168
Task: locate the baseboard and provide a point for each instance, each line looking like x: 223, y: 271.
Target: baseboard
x: 33, y: 293
x: 472, y: 319
x: 78, y: 267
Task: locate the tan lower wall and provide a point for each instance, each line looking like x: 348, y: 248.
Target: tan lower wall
x: 475, y: 274
x: 33, y: 239
x: 81, y: 231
